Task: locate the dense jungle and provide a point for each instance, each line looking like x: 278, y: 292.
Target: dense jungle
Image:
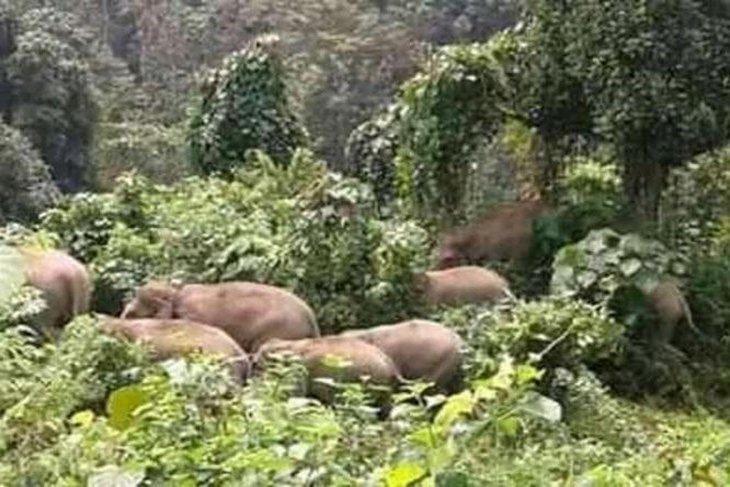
x: 365, y: 242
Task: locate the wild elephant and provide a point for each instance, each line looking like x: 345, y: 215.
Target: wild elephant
x: 249, y: 312
x: 361, y: 362
x: 421, y: 350
x: 461, y: 285
x: 669, y: 305
x: 170, y: 338
x: 64, y: 283
x: 504, y: 233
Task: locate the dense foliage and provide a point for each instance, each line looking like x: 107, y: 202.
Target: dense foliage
x: 323, y: 146
x: 26, y: 187
x: 52, y: 100
x: 244, y: 107
x: 267, y: 224
x: 646, y: 77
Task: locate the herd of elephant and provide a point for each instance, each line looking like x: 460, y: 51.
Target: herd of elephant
x: 247, y: 322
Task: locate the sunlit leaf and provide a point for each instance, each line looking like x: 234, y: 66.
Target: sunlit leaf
x: 113, y: 476
x: 509, y: 426
x: 456, y: 406
x: 122, y: 403
x: 543, y: 407
x: 12, y: 272
x: 630, y: 267
x: 404, y: 475
x: 82, y: 418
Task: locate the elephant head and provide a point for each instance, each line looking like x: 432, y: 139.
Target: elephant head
x: 153, y: 300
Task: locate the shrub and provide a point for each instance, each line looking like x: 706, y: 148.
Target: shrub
x: 26, y: 187
x: 53, y: 102
x: 99, y: 410
x: 553, y: 332
x: 709, y: 293
x: 155, y: 151
x: 695, y: 202
x: 299, y: 226
x: 244, y: 106
x: 445, y: 108
x: 371, y: 150
x: 605, y: 261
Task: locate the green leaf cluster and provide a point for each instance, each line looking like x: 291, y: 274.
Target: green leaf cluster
x: 244, y: 106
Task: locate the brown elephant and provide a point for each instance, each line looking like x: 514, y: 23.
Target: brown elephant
x: 461, y: 285
x: 170, y: 338
x: 670, y: 306
x: 504, y: 233
x: 64, y: 283
x: 364, y: 362
x: 249, y: 312
x: 421, y: 350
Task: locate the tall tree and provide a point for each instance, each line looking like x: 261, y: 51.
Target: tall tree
x: 52, y: 101
x: 652, y: 76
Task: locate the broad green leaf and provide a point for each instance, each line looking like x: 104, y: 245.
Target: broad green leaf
x: 543, y: 407
x: 527, y: 373
x: 12, y: 272
x: 630, y: 267
x: 423, y: 437
x: 587, y: 278
x: 82, y: 418
x: 122, y: 403
x: 509, y: 426
x: 404, y: 475
x: 113, y: 476
x: 456, y: 406
x: 503, y: 378
x: 441, y: 457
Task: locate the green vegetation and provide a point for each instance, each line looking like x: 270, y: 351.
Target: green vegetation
x: 244, y: 107
x: 325, y: 147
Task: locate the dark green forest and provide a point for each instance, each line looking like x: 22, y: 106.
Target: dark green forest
x: 331, y: 148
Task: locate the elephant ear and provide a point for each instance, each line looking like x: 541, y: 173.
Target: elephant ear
x: 12, y: 272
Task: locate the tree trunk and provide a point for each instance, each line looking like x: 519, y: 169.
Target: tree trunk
x: 643, y: 184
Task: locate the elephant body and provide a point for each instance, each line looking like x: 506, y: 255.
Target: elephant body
x: 64, y: 283
x: 504, y: 233
x: 170, y: 338
x: 669, y: 305
x: 462, y: 285
x: 250, y: 313
x: 364, y: 362
x: 421, y: 350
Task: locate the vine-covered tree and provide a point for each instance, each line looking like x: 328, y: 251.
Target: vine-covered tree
x: 244, y: 106
x: 370, y: 151
x: 448, y: 107
x: 26, y: 187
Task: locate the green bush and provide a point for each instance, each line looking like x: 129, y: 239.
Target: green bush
x: 371, y: 150
x: 296, y: 226
x: 53, y: 102
x: 709, y: 293
x: 26, y: 187
x: 94, y: 408
x: 552, y: 332
x: 597, y: 266
x: 696, y: 200
x: 244, y: 106
x: 445, y: 108
x: 155, y: 151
